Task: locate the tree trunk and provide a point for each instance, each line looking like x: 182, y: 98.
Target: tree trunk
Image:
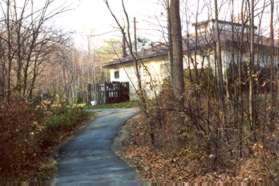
x: 177, y: 51
x: 9, y: 52
x: 251, y: 68
x: 272, y: 67
x: 34, y: 78
x: 221, y: 86
x: 170, y: 40
x: 2, y: 80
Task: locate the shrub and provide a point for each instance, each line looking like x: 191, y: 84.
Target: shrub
x: 202, y: 81
x: 27, y: 135
x: 63, y: 121
x: 56, y: 122
x: 19, y: 134
x: 261, y: 77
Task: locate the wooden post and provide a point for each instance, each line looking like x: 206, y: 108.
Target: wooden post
x: 105, y: 93
x: 89, y: 90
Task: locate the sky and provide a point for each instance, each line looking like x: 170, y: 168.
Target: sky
x: 92, y: 18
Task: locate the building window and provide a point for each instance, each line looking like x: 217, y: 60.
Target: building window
x: 116, y: 74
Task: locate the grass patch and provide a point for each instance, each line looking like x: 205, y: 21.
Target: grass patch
x: 129, y: 104
x: 65, y: 118
x: 61, y: 125
x: 46, y: 170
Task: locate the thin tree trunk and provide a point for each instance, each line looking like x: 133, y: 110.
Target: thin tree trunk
x: 240, y: 74
x: 170, y: 41
x: 9, y: 51
x: 272, y: 66
x: 251, y: 68
x: 20, y: 47
x: 2, y: 80
x: 177, y: 50
x: 219, y: 65
x: 233, y: 69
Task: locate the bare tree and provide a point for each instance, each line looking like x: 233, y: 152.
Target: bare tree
x: 272, y: 66
x: 251, y: 67
x: 221, y: 86
x: 22, y: 37
x: 126, y: 34
x: 177, y: 52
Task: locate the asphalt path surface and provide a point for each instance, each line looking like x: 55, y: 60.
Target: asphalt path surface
x: 88, y: 158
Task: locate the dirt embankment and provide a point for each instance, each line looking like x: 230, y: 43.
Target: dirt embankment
x: 134, y: 146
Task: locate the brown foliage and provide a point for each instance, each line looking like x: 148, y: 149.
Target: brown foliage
x: 29, y: 135
x: 19, y: 129
x: 190, y: 149
x: 189, y: 165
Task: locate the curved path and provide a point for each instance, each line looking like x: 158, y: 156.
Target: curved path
x: 88, y: 159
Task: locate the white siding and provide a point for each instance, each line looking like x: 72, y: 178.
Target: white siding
x: 157, y: 72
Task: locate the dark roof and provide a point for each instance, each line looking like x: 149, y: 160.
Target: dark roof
x: 220, y: 21
x: 204, y: 41
x: 158, y: 50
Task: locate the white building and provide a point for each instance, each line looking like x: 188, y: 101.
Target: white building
x: 198, y: 50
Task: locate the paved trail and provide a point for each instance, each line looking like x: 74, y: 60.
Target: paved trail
x: 88, y: 159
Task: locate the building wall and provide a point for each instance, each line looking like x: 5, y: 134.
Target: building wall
x: 159, y: 70
x: 208, y: 60
x: 153, y: 77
